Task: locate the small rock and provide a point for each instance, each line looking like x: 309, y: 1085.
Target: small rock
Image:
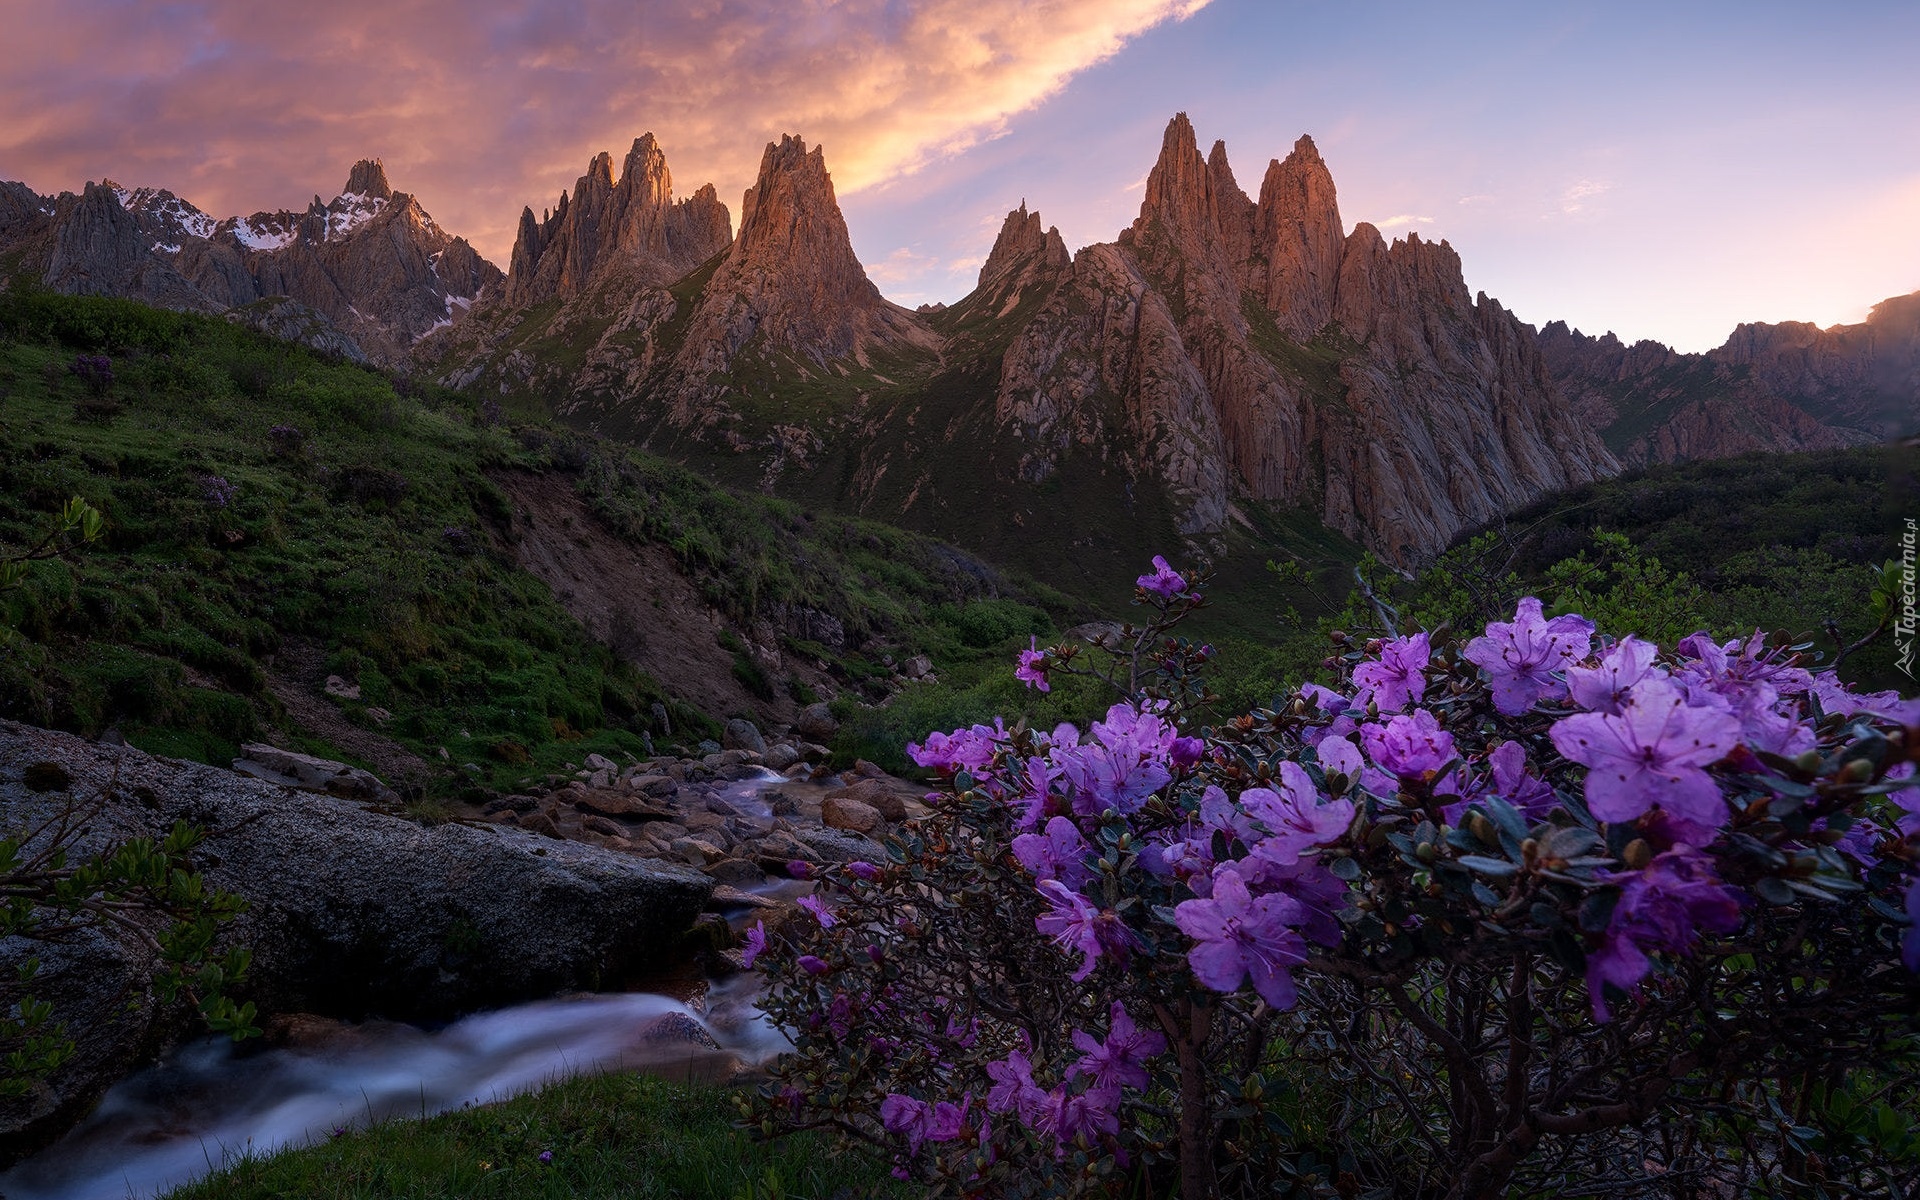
x: 864, y: 768
x: 735, y: 870
x: 781, y: 804
x: 725, y: 896
x: 600, y: 825
x: 840, y: 812
x: 659, y: 714
x: 444, y: 756
x: 340, y: 689
x: 379, y: 716
x: 709, y: 746
x: 835, y: 845
x: 600, y: 780
x: 779, y: 757
x: 742, y: 734
x: 816, y: 721
x: 674, y: 1029
x: 308, y: 773
x: 696, y: 851
x: 798, y: 771
x: 657, y: 786
x: 600, y: 762
x: 540, y: 823
x: 917, y: 667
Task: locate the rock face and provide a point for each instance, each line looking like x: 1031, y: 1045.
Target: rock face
x: 635, y: 226
x: 371, y: 263
x: 1254, y: 351
x: 1782, y: 387
x: 351, y: 911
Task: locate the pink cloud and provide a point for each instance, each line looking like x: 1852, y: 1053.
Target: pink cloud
x: 479, y: 108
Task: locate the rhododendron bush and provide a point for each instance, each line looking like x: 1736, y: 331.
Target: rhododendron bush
x: 1545, y: 909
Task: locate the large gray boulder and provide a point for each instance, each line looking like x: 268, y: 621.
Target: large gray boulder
x: 352, y: 911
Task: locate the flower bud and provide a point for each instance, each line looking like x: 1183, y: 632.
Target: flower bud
x: 1637, y: 854
x: 1424, y: 852
x: 1858, y: 771
x: 1482, y: 828
x: 1809, y: 761
x: 1529, y: 849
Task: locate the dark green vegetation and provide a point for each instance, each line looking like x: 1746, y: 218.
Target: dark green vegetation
x: 273, y: 517
x: 609, y: 1135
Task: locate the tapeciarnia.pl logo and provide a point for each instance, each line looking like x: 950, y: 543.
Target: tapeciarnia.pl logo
x: 1905, y: 625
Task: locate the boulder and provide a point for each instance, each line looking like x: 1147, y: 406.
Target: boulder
x: 877, y: 793
x: 917, y: 667
x: 845, y: 813
x: 815, y: 721
x: 779, y: 757
x: 742, y: 734
x: 834, y: 845
x: 351, y: 912
x: 307, y: 773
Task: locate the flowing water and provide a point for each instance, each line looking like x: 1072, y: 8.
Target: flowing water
x: 212, y: 1101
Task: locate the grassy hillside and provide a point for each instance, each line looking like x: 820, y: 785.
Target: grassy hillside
x: 273, y: 516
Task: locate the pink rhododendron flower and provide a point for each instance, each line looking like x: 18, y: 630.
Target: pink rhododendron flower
x: 1032, y: 670
x: 963, y: 749
x: 1014, y: 1090
x: 1604, y: 688
x: 1652, y: 753
x: 1409, y: 746
x: 1240, y: 936
x: 1295, y: 817
x: 821, y: 910
x: 1661, y: 909
x: 1340, y: 754
x: 813, y: 964
x: 1059, y: 853
x: 1164, y: 582
x: 1398, y: 678
x: 1076, y: 925
x: 756, y: 944
x: 1121, y: 1059
x: 1520, y: 656
x: 1069, y: 1115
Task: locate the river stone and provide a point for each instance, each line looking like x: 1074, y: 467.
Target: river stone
x: 839, y: 846
x: 742, y: 734
x: 779, y: 757
x: 816, y: 721
x: 353, y: 912
x: 840, y: 812
x: 877, y: 793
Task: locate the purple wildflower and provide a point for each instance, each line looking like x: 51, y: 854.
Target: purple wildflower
x: 1398, y: 678
x: 1520, y: 656
x: 216, y: 491
x: 1605, y: 688
x: 1338, y: 754
x: 756, y: 943
x: 1032, y: 670
x: 1910, y: 942
x: 1653, y: 752
x: 1077, y: 925
x: 1237, y: 936
x: 1120, y: 1061
x: 1295, y: 818
x: 1660, y: 909
x: 1069, y: 1115
x: 863, y: 870
x: 1410, y: 747
x: 546, y: 1156
x: 1186, y: 752
x: 821, y: 910
x: 1164, y: 582
x: 1013, y: 1088
x: 1059, y: 853
x: 814, y: 965
x: 963, y: 749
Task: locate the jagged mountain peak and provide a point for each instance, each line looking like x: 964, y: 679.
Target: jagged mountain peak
x: 1021, y: 242
x: 635, y: 227
x: 368, y: 178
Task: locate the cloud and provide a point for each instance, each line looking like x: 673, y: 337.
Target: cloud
x: 902, y: 264
x: 1402, y: 219
x: 479, y: 108
x: 1573, y: 199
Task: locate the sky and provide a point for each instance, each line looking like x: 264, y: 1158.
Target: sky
x: 1658, y: 170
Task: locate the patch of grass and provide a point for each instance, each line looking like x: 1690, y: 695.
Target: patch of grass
x: 608, y: 1135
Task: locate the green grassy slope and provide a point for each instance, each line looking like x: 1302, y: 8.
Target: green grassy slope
x: 263, y: 503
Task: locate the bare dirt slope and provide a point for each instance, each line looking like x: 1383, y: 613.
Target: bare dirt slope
x: 635, y: 599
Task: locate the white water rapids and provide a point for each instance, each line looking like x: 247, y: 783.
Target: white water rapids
x: 211, y: 1101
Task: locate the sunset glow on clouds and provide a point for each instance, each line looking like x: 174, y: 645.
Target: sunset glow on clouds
x: 1661, y: 170
x: 480, y: 108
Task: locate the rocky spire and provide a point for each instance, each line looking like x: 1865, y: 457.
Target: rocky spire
x: 1178, y: 206
x: 1233, y: 213
x: 635, y: 225
x: 1021, y: 241
x: 368, y: 178
x: 1298, y: 232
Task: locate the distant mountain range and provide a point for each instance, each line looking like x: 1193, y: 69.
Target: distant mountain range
x: 1226, y: 363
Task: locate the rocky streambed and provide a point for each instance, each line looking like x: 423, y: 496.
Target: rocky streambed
x: 624, y: 879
